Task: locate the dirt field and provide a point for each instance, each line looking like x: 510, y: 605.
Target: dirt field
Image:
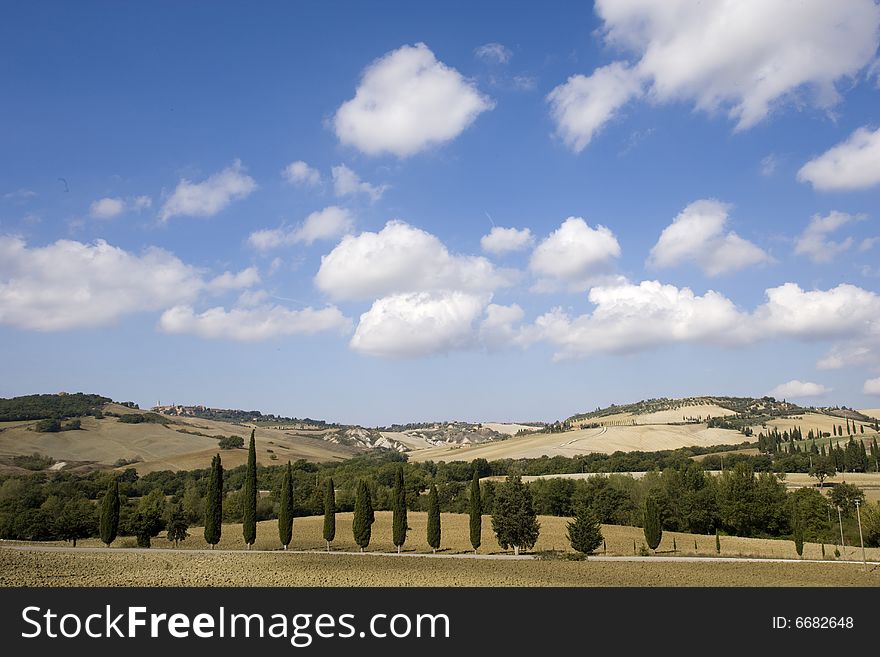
x: 605, y: 440
x: 19, y: 568
x: 163, y: 447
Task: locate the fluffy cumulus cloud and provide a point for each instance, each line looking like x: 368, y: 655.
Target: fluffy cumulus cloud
x: 574, y: 254
x: 872, y: 386
x: 418, y: 324
x: 698, y: 235
x: 501, y: 327
x: 852, y: 164
x: 408, y: 101
x: 401, y: 258
x: 68, y: 284
x: 300, y: 173
x: 583, y: 104
x: 814, y: 242
x: 504, y: 240
x: 629, y: 318
x: 251, y: 324
x: 326, y: 224
x: 210, y: 196
x: 795, y: 389
x: 347, y: 182
x: 110, y: 208
x: 742, y: 58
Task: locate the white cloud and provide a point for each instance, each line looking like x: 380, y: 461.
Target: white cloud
x: 698, y: 235
x: 107, y: 208
x: 401, y: 258
x: 346, y: 181
x: 406, y: 102
x: 583, y: 104
x: 795, y: 389
x: 300, y: 173
x: 744, y: 57
x: 504, y: 240
x: 110, y: 208
x: 251, y: 298
x: 852, y: 164
x: 769, y: 163
x: 629, y: 318
x: 68, y: 284
x: 844, y: 355
x: 814, y: 242
x: 326, y: 224
x: 497, y: 330
x: 868, y: 243
x: 19, y: 195
x: 493, y: 52
x: 574, y: 254
x: 207, y: 198
x: 872, y: 386
x: 418, y: 324
x: 229, y: 281
x: 252, y: 324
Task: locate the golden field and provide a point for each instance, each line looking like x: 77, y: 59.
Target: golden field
x: 307, y: 535
x: 163, y: 447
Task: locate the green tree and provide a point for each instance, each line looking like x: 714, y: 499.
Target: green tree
x: 476, y: 512
x: 399, y: 520
x: 193, y: 504
x: 75, y: 520
x: 585, y: 531
x: 362, y: 524
x: 717, y: 542
x: 249, y: 497
x: 109, y: 519
x: 797, y: 531
x: 845, y: 496
x: 214, y: 503
x: 514, y: 520
x: 147, y: 520
x: 285, y: 508
x: 652, y: 522
x: 178, y: 524
x: 823, y: 467
x: 433, y: 518
x: 329, y: 513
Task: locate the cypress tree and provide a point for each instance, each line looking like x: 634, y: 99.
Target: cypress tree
x: 433, y: 518
x: 797, y: 526
x: 653, y: 529
x: 361, y: 526
x: 329, y: 513
x: 399, y: 522
x: 285, y: 508
x: 717, y: 542
x: 585, y: 531
x: 476, y: 512
x: 249, y: 497
x: 214, y: 504
x: 109, y: 523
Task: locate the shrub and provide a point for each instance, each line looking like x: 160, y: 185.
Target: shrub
x: 231, y: 442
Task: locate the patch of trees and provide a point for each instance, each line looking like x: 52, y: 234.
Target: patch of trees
x: 231, y: 442
x: 60, y: 407
x: 141, y: 418
x: 35, y: 461
x: 54, y: 426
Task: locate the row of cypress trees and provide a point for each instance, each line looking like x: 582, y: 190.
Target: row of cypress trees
x: 364, y: 515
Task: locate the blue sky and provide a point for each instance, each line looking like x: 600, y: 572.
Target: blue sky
x: 291, y: 207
